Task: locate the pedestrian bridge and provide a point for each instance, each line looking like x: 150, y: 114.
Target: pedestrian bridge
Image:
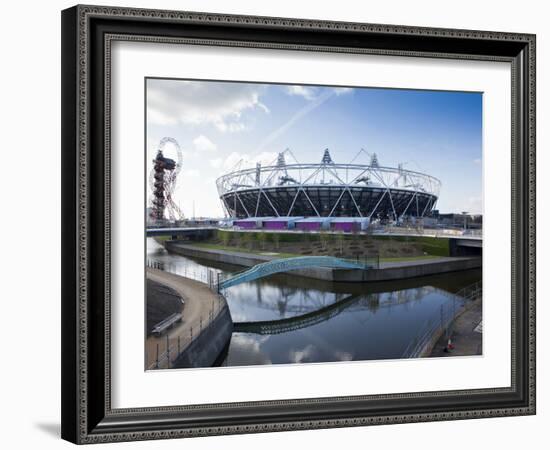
x: 288, y: 264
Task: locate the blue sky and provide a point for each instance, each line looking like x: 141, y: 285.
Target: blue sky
x: 219, y: 123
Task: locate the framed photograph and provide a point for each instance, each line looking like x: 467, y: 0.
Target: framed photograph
x: 281, y: 224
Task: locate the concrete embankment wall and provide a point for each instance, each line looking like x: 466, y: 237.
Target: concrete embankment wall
x: 205, y: 348
x: 408, y: 270
x: 422, y: 268
x: 235, y: 258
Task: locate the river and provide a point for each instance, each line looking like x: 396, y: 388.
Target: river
x: 314, y: 321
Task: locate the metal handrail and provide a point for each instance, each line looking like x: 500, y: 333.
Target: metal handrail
x: 287, y: 264
x: 175, y: 345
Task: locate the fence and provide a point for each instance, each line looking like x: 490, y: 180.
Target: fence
x: 428, y: 232
x: 471, y: 292
x: 442, y: 322
x: 162, y: 352
x: 369, y: 260
x: 204, y: 275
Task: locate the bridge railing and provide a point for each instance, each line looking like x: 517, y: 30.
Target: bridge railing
x: 443, y: 321
x: 300, y: 262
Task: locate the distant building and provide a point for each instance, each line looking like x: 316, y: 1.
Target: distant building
x: 469, y: 221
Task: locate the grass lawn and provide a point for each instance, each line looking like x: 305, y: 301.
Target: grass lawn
x: 242, y: 250
x: 228, y: 248
x: 161, y: 239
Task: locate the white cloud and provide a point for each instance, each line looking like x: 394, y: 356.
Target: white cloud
x: 248, y: 161
x: 191, y: 173
x: 313, y: 92
x: 232, y: 127
x: 308, y: 92
x: 263, y: 107
x: 170, y: 102
x: 343, y: 356
x: 247, y: 349
x: 202, y: 143
x: 342, y: 90
x: 298, y: 356
x: 477, y: 161
x: 216, y: 163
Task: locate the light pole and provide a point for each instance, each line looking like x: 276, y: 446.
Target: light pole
x: 465, y: 214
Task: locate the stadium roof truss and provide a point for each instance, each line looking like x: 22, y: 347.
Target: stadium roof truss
x: 363, y: 190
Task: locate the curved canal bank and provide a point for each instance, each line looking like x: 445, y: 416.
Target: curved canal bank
x: 201, y: 335
x: 466, y: 334
x: 386, y: 272
x: 284, y: 319
x: 210, y: 343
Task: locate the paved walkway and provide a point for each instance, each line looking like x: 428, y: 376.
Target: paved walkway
x: 466, y: 335
x: 421, y: 261
x: 200, y: 302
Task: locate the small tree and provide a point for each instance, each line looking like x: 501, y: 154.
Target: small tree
x: 306, y: 241
x: 262, y: 239
x: 355, y: 236
x: 341, y: 238
x: 276, y: 239
x: 225, y: 237
x: 238, y: 239
x: 248, y: 240
x: 323, y: 238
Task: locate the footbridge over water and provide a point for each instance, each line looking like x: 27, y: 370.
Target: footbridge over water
x: 288, y: 264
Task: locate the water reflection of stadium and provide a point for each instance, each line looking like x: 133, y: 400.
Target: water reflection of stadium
x: 310, y: 310
x: 287, y: 301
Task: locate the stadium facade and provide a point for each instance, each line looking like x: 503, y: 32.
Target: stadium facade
x: 327, y: 190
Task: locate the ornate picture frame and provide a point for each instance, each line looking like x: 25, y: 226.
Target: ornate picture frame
x: 88, y: 33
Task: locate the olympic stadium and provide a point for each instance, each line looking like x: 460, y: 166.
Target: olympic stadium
x: 327, y: 190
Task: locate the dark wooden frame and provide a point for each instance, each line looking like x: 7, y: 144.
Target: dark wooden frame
x: 87, y: 32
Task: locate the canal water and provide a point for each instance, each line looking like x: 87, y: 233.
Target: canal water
x: 314, y: 321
